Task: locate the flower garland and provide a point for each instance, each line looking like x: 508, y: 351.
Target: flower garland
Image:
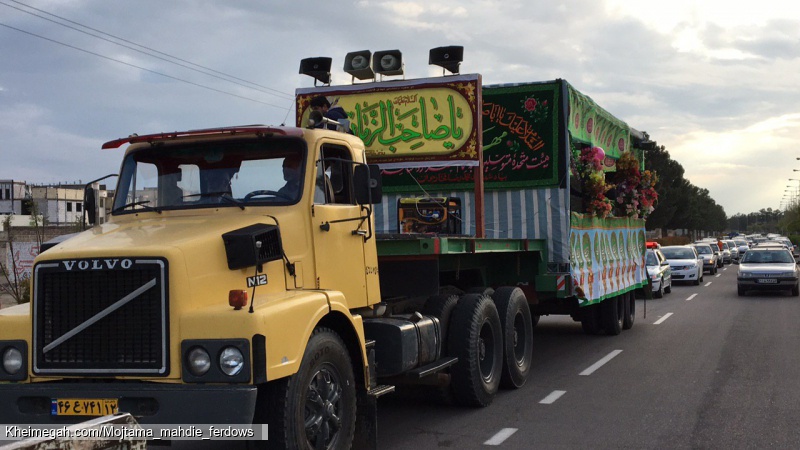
x: 589, y: 169
x: 635, y: 194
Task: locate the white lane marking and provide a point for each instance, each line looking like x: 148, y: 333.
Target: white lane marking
x: 590, y: 370
x: 707, y: 284
x: 718, y: 275
x: 691, y: 297
x: 501, y: 436
x: 659, y: 321
x: 550, y: 399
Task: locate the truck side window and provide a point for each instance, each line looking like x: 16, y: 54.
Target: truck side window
x: 335, y: 184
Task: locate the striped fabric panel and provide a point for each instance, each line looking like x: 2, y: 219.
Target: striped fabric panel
x: 518, y: 214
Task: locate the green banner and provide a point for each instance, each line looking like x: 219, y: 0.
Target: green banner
x: 606, y: 256
x: 590, y: 124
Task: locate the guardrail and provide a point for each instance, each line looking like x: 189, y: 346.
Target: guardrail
x: 128, y: 441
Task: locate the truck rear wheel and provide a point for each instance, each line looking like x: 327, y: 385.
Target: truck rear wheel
x: 611, y: 316
x: 630, y: 310
x: 441, y: 307
x: 475, y: 337
x: 515, y: 317
x: 316, y: 407
x: 590, y: 319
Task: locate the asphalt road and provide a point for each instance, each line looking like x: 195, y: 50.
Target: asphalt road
x: 702, y: 368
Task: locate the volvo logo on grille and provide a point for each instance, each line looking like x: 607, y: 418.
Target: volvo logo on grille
x: 98, y: 264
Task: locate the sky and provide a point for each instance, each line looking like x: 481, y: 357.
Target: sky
x: 715, y: 82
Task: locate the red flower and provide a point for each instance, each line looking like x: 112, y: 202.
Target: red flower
x: 530, y: 104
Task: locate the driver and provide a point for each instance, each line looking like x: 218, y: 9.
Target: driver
x: 291, y: 174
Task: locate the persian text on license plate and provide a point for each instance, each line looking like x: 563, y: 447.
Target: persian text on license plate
x: 83, y: 406
x: 767, y: 280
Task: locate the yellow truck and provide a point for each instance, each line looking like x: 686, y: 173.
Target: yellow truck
x: 240, y: 279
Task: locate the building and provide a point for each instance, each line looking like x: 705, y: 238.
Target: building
x: 12, y: 194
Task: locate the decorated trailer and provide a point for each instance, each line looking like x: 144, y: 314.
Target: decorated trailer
x: 555, y: 170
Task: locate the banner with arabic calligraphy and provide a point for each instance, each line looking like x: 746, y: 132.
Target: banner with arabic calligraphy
x: 592, y: 125
x: 430, y: 122
x: 606, y: 256
x: 520, y: 144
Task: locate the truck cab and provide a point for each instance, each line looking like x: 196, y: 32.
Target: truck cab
x: 227, y: 252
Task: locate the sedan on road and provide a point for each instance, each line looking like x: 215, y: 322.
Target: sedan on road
x: 768, y: 268
x: 684, y: 263
x: 710, y: 257
x: 659, y: 271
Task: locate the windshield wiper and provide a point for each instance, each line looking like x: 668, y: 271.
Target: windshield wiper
x: 142, y: 203
x: 227, y: 197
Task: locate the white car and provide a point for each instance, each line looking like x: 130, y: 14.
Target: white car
x: 659, y: 271
x: 768, y: 269
x: 684, y: 263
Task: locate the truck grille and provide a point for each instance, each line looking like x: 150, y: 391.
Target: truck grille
x: 101, y: 316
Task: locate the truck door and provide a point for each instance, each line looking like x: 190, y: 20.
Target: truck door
x: 337, y: 227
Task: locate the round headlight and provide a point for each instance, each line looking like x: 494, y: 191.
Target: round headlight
x: 231, y: 361
x: 198, y: 361
x: 12, y: 360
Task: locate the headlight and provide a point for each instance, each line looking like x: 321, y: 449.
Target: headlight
x: 231, y: 361
x: 198, y: 361
x: 745, y: 274
x: 788, y: 274
x: 12, y: 360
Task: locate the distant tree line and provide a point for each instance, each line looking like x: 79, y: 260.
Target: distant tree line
x: 681, y: 205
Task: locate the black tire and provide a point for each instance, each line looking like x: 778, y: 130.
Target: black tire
x: 796, y: 291
x: 610, y: 316
x: 740, y: 290
x: 515, y: 318
x: 630, y: 310
x: 590, y: 319
x: 668, y: 289
x: 441, y: 307
x: 659, y: 293
x: 475, y: 337
x: 322, y: 389
x: 487, y: 291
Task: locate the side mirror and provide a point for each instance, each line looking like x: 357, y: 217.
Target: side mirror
x: 368, y: 187
x: 90, y: 204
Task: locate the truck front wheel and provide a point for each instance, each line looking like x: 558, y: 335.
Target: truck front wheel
x: 316, y: 407
x: 475, y: 337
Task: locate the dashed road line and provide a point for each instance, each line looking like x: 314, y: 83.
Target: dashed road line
x: 501, y: 436
x: 661, y: 320
x: 690, y: 297
x: 590, y: 370
x: 707, y: 284
x: 718, y: 275
x: 550, y: 399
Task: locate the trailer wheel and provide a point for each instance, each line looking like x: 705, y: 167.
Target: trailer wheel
x: 475, y: 337
x: 316, y: 407
x: 630, y: 310
x: 590, y: 319
x: 515, y: 317
x: 611, y: 319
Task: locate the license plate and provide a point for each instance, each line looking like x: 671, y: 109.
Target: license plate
x: 768, y: 280
x: 83, y: 406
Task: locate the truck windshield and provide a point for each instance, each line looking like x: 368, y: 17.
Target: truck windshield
x: 212, y: 174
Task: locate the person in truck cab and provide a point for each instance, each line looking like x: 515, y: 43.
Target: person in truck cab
x: 291, y: 174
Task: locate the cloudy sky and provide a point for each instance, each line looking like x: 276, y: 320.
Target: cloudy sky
x: 714, y: 81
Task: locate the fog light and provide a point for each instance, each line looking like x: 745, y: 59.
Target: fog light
x: 198, y: 361
x: 231, y: 361
x: 12, y: 360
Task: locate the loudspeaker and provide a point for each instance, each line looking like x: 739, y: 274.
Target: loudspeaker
x: 388, y: 62
x: 358, y: 64
x: 318, y: 68
x: 447, y: 57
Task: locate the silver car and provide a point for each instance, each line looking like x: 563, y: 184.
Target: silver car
x: 684, y: 263
x: 769, y: 269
